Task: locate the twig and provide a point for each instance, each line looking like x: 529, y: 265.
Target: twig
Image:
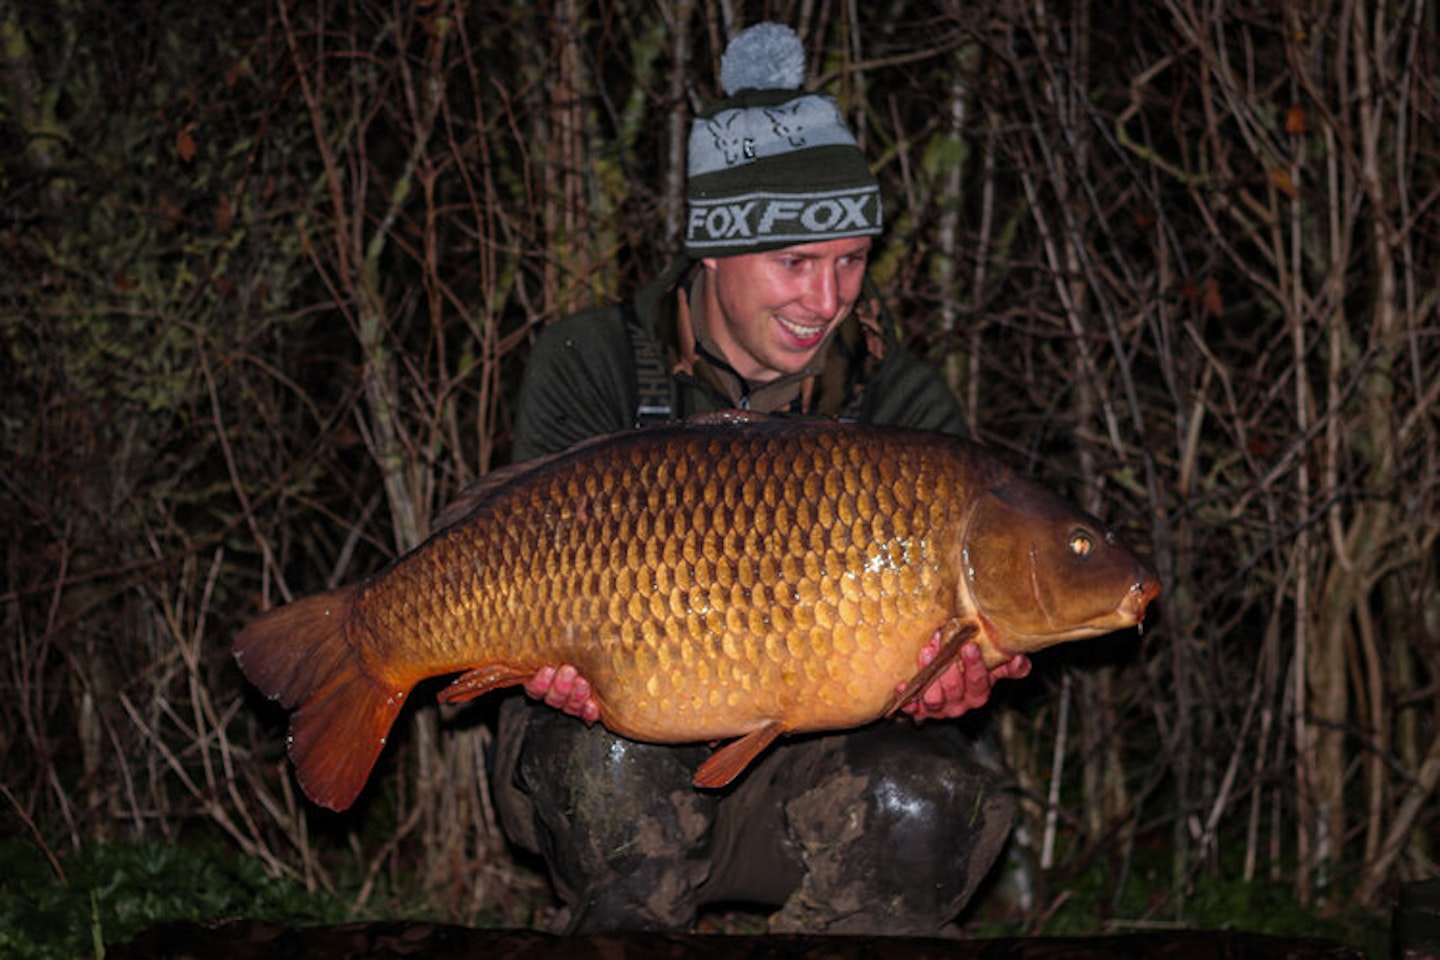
x: 1057, y: 767
x: 35, y: 832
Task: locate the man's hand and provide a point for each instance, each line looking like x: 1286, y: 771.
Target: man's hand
x: 564, y: 689
x: 964, y: 685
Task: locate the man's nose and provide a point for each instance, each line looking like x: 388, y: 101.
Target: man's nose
x: 822, y: 292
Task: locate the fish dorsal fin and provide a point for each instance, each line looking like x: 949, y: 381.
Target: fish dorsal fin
x: 729, y: 418
x: 474, y: 495
x: 730, y: 761
x: 959, y: 632
x: 477, y: 492
x: 740, y: 418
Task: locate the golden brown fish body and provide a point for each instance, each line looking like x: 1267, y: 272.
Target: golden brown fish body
x: 709, y: 580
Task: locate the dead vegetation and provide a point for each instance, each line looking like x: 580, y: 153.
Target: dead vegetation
x: 271, y: 270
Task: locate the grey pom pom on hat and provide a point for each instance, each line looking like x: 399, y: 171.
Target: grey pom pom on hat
x: 768, y: 56
x: 772, y: 166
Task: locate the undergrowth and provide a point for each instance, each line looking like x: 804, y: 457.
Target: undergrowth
x: 1087, y: 901
x: 108, y: 893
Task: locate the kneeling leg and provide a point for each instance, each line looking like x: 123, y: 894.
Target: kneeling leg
x: 896, y: 836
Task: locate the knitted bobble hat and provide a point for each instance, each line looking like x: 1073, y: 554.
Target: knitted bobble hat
x: 771, y: 166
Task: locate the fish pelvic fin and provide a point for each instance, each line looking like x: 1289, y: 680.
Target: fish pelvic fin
x: 727, y: 763
x: 302, y: 655
x: 481, y: 680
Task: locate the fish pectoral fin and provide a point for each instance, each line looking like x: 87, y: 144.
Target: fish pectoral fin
x: 481, y: 680
x: 957, y: 634
x: 730, y: 761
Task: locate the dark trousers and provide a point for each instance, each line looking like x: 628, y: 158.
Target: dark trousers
x: 886, y: 830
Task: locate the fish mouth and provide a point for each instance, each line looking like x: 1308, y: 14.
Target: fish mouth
x: 1138, y: 598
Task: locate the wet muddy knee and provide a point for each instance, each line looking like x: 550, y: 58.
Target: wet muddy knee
x: 896, y: 842
x: 619, y: 824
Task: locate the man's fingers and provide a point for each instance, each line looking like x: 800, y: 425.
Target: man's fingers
x: 930, y: 650
x: 564, y: 682
x: 538, y: 686
x: 590, y: 711
x: 579, y: 696
x: 965, y: 684
x: 566, y: 693
x: 565, y: 689
x: 1013, y: 669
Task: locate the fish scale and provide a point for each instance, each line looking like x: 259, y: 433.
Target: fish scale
x: 710, y: 580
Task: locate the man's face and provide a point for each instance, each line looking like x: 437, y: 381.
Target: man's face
x: 769, y: 313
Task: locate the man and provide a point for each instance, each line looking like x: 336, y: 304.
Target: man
x: 885, y: 830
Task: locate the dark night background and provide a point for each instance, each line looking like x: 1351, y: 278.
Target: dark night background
x: 269, y: 270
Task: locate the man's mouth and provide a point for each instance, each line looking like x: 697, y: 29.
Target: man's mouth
x: 806, y: 334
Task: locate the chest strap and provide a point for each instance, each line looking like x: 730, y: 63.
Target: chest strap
x: 653, y: 400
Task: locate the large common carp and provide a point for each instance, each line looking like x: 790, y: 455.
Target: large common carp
x: 711, y: 580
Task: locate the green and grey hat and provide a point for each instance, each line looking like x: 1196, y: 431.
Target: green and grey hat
x: 771, y: 166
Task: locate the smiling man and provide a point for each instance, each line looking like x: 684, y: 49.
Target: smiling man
x: 885, y: 830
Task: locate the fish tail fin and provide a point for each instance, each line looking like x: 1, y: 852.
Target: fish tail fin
x: 304, y: 656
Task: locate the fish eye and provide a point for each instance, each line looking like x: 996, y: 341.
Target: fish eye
x: 1081, y: 543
